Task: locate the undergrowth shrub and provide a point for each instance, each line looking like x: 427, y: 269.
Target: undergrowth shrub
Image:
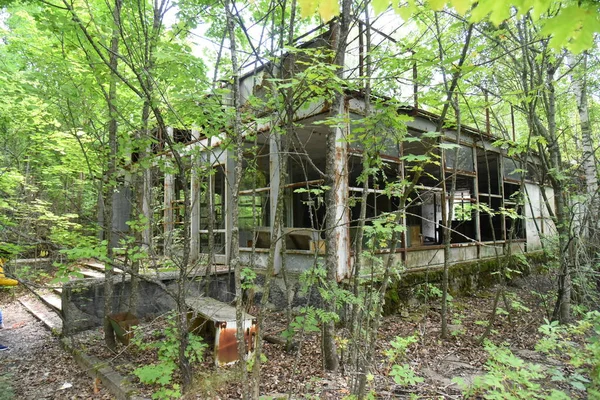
x: 402, y: 373
x: 166, y: 344
x: 576, y: 347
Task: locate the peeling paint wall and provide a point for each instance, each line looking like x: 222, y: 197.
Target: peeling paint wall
x: 537, y: 217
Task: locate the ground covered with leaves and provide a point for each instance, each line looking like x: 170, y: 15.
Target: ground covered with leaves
x: 517, y: 359
x: 422, y: 363
x: 36, y: 366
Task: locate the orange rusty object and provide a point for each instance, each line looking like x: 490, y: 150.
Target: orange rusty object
x: 226, y: 351
x: 223, y: 328
x: 226, y: 344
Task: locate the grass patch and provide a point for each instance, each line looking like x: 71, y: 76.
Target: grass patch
x: 6, y: 391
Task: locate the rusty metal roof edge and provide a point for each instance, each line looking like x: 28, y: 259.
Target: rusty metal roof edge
x: 415, y: 111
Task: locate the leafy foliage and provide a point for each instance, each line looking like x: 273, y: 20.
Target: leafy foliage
x: 509, y: 377
x: 166, y: 345
x: 403, y: 374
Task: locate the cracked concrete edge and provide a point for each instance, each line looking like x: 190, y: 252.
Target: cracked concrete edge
x: 55, y: 328
x: 116, y: 384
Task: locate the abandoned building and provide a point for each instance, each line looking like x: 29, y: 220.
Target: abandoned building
x: 488, y: 218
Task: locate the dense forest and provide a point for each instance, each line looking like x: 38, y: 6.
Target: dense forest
x: 158, y: 136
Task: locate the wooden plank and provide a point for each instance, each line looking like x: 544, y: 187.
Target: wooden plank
x: 20, y: 261
x: 95, y: 265
x: 100, y: 267
x: 42, y: 312
x: 214, y: 310
x: 88, y: 273
x: 53, y: 301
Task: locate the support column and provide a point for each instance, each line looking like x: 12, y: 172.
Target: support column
x: 147, y: 207
x: 476, y: 194
x: 195, y: 198
x: 169, y: 196
x: 274, y: 163
x: 121, y: 200
x: 229, y: 179
x: 341, y: 230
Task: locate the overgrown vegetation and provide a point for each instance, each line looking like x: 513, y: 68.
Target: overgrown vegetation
x: 569, y: 366
x: 165, y: 342
x: 354, y: 145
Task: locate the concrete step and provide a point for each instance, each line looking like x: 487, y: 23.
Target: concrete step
x: 47, y: 315
x: 96, y: 266
x: 57, y: 290
x: 90, y: 273
x: 52, y: 300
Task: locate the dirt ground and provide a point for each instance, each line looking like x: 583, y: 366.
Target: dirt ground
x: 35, y: 366
x: 437, y: 361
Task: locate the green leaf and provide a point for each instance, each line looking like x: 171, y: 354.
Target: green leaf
x: 431, y: 134
x: 483, y: 9
x: 328, y: 9
x: 407, y: 11
x: 539, y: 7
x: 380, y: 6
x: 448, y: 146
x: 500, y: 13
x: 307, y: 8
x: 461, y: 6
x: 437, y: 5
x: 578, y: 385
x: 158, y: 373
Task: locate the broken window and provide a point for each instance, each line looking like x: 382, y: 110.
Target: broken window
x: 491, y: 225
x: 488, y: 172
x: 213, y: 192
x: 380, y: 199
x: 511, y: 169
x: 423, y: 214
x: 253, y: 200
x: 459, y: 158
x: 304, y: 211
x: 463, y: 221
x: 513, y: 211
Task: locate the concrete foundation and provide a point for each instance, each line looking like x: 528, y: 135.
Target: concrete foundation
x: 83, y: 300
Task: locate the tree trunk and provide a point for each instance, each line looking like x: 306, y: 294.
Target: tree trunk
x: 340, y: 37
x: 109, y: 337
x: 233, y: 204
x: 360, y: 382
x: 448, y: 198
x: 579, y: 85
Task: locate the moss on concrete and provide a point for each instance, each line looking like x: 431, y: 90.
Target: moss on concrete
x: 463, y: 278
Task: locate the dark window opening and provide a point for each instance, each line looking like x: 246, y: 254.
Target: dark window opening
x: 386, y: 172
x: 464, y: 156
x: 463, y: 204
x: 158, y: 209
x: 378, y: 206
x: 182, y: 135
x: 513, y: 204
x: 214, y: 186
x: 490, y: 221
x: 512, y: 169
x: 421, y: 158
x: 487, y: 172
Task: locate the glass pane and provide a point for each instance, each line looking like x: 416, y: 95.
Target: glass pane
x: 511, y: 168
x: 465, y: 158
